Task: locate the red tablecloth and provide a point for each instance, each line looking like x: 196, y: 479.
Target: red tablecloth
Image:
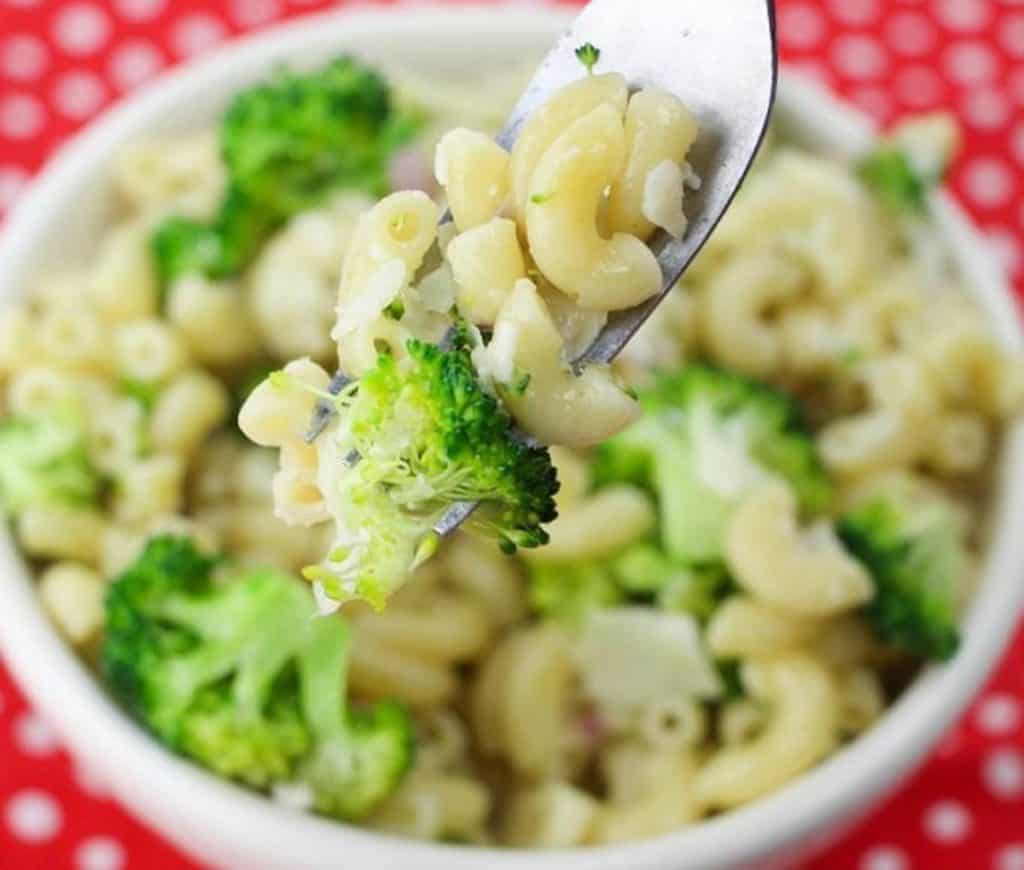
x: 63, y: 61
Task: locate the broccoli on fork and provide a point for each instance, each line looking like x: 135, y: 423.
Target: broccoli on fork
x: 426, y: 435
x: 239, y: 675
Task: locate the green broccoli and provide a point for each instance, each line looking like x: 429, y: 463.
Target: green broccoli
x: 916, y: 558
x: 707, y: 436
x: 645, y: 570
x: 567, y: 590
x: 43, y: 462
x: 287, y: 141
x: 217, y: 249
x: 286, y: 145
x: 588, y: 55
x: 143, y: 393
x: 911, y: 160
x: 641, y: 573
x: 427, y: 435
x: 889, y: 173
x: 236, y: 672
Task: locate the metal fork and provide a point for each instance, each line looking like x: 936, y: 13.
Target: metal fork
x: 719, y: 58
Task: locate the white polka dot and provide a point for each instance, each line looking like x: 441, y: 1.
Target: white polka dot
x: 919, y: 86
x: 33, y: 816
x: 23, y: 57
x: 252, y: 13
x: 964, y: 16
x: 801, y: 25
x: 1006, y: 248
x: 875, y: 101
x: 81, y: 28
x: 859, y: 57
x: 139, y: 10
x: 1010, y: 857
x: 21, y: 117
x: 1011, y: 35
x: 988, y: 182
x: 78, y: 95
x: 987, y: 108
x: 947, y: 822
x: 883, y: 858
x: 910, y: 34
x: 1003, y: 774
x: 99, y: 853
x: 12, y: 182
x: 33, y: 736
x: 133, y: 62
x: 971, y: 63
x: 1000, y: 714
x: 855, y: 12
x: 196, y: 34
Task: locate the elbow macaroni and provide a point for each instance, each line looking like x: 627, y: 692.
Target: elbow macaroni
x: 567, y: 187
x: 802, y: 728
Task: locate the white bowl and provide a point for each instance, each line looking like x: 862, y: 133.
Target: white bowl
x: 59, y: 220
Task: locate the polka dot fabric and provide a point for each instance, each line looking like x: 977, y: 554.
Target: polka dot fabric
x: 61, y: 63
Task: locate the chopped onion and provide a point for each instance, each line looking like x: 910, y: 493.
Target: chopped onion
x: 629, y: 656
x: 663, y: 198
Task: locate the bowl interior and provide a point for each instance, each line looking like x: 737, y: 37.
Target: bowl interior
x: 59, y: 223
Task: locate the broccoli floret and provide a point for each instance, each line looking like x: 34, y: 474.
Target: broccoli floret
x: 732, y: 683
x: 645, y: 570
x: 567, y: 591
x: 915, y: 556
x: 642, y: 573
x: 588, y: 55
x: 287, y: 141
x: 427, y: 436
x: 890, y: 174
x: 237, y: 673
x: 217, y: 249
x: 707, y: 436
x: 286, y: 145
x: 914, y: 158
x: 144, y: 393
x: 43, y: 461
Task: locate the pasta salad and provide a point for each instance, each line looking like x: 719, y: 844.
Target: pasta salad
x: 769, y: 508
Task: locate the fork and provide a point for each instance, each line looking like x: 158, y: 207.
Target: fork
x: 720, y: 59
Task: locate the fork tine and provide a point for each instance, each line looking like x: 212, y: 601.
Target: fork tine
x: 324, y: 410
x: 454, y: 517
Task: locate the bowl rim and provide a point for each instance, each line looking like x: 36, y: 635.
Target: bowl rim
x: 218, y: 821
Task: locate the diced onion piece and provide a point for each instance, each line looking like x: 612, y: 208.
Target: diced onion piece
x: 663, y: 198
x: 383, y: 286
x: 930, y: 141
x: 437, y: 290
x: 325, y: 605
x: 630, y: 656
x: 501, y: 352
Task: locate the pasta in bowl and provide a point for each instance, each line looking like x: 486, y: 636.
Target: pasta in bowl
x: 596, y: 761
